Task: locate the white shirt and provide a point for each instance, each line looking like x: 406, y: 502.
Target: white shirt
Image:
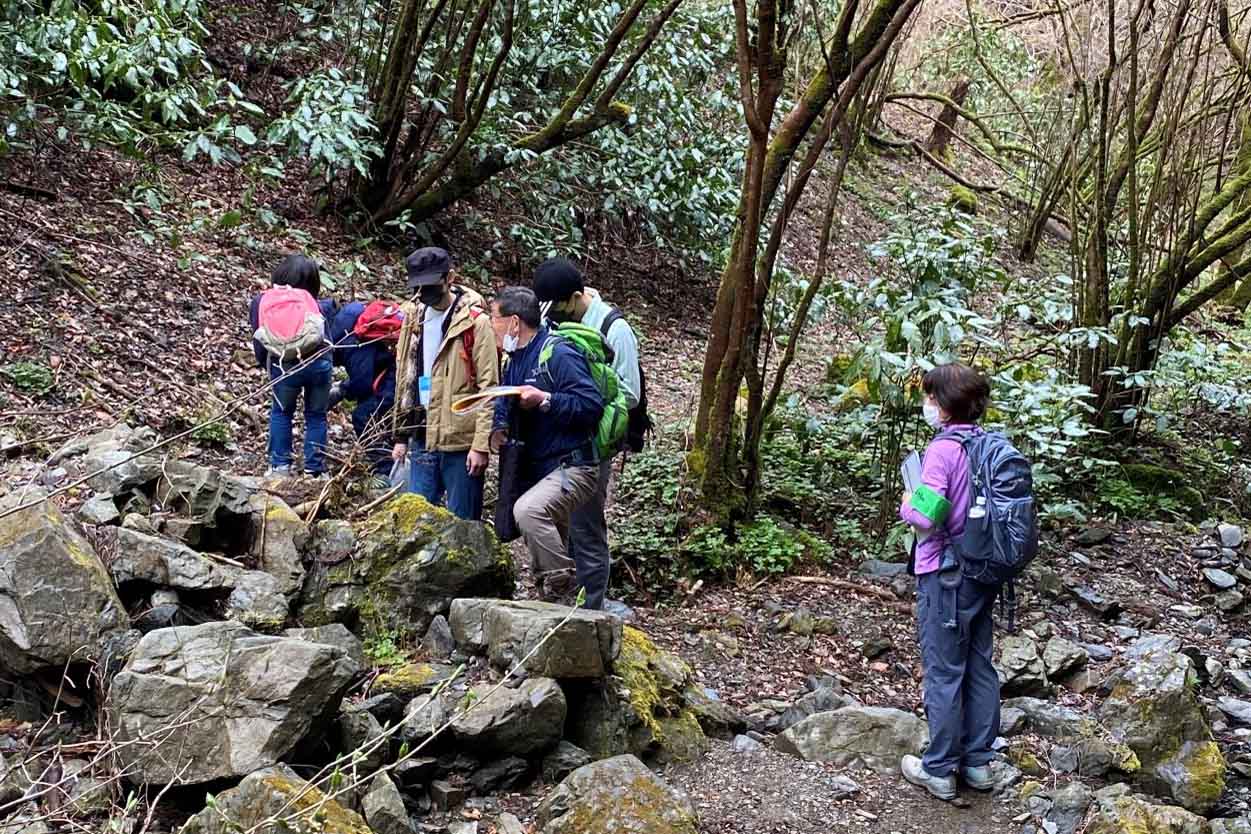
x: 432, y: 339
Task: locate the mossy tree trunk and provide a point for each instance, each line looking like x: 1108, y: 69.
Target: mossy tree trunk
x: 428, y: 161
x: 723, y: 467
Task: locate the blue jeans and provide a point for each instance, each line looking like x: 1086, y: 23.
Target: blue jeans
x: 314, y: 381
x: 961, y: 684
x: 436, y: 475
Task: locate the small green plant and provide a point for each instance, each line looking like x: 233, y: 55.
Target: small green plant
x: 30, y: 377
x: 768, y: 547
x: 383, y: 649
x: 215, y: 433
x: 1127, y: 501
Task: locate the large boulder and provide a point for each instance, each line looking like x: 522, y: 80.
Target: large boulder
x: 275, y: 792
x: 411, y: 560
x: 198, y: 703
x: 57, y: 602
x: 522, y: 721
x: 1152, y: 706
x: 616, y: 796
x: 874, y: 737
x: 641, y: 709
x: 140, y: 557
x: 1119, y: 812
x: 565, y: 643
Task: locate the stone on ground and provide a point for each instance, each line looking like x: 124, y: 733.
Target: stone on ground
x: 562, y: 761
x: 1062, y: 657
x: 615, y: 796
x: 410, y: 679
x: 1063, y: 807
x: 1021, y: 670
x: 1153, y: 708
x: 141, y: 557
x: 1238, y: 710
x: 335, y: 634
x: 1230, y: 535
x: 856, y: 736
x: 411, y: 560
x: 358, y: 730
x: 258, y: 602
x: 222, y: 701
x: 583, y: 646
x: 1117, y: 811
x: 522, y: 721
x: 112, y: 450
x: 57, y: 602
x: 275, y: 791
x: 99, y: 509
x: 1050, y: 719
x: 384, y: 807
x: 279, y: 537
x: 438, y: 640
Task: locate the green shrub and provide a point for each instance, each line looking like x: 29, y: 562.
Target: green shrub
x: 30, y: 377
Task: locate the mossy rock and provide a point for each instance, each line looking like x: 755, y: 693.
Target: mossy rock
x: 300, y: 808
x: 410, y: 679
x: 642, y: 709
x: 613, y: 796
x: 411, y: 560
x: 1150, y: 479
x: 1153, y: 708
x: 963, y: 199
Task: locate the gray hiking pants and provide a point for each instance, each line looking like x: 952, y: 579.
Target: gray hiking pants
x: 961, y: 684
x: 588, y: 542
x: 543, y: 513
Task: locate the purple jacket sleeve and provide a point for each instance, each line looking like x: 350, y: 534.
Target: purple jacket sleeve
x: 940, y: 458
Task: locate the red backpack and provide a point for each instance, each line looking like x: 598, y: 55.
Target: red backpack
x: 289, y: 323
x: 379, y: 321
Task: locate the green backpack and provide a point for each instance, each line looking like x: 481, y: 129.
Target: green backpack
x: 611, y: 432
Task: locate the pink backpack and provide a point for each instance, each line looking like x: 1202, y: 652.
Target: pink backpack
x: 290, y: 323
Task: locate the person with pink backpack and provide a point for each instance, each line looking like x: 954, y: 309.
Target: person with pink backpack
x: 289, y: 329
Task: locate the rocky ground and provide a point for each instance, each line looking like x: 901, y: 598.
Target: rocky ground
x: 186, y: 626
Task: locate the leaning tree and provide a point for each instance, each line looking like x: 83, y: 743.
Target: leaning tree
x: 783, y: 150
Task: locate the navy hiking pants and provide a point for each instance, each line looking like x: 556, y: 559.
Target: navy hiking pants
x: 961, y: 684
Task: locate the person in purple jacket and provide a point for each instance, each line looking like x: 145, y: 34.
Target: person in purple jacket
x: 954, y: 615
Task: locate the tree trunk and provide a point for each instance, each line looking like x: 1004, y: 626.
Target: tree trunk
x: 940, y: 136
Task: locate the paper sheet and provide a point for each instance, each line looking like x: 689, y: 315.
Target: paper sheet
x: 476, y: 400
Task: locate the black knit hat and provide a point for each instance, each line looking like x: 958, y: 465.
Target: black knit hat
x: 556, y: 279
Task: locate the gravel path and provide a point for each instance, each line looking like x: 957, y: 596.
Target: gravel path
x: 766, y: 792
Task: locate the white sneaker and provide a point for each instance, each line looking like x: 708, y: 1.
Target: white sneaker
x: 278, y: 472
x: 942, y: 787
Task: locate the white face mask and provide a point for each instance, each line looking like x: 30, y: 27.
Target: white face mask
x: 932, y: 415
x: 510, y: 342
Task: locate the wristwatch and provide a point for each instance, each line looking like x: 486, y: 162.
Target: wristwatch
x: 546, y: 405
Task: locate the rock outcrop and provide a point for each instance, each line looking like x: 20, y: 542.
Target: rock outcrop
x: 614, y: 796
x: 199, y: 703
x: 57, y: 602
x: 856, y: 736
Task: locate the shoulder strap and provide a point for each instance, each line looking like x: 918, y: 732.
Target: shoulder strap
x: 614, y: 315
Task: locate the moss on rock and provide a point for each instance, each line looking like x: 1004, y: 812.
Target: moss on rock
x: 963, y: 199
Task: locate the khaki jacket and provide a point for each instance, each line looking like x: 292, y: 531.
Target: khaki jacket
x: 450, y: 377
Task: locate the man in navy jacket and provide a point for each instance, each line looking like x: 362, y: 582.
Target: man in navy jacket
x: 555, y: 417
x: 370, y: 384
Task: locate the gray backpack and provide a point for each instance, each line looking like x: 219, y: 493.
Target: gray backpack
x: 995, y: 547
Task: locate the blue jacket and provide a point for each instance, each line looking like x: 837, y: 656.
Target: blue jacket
x: 568, y: 428
x: 327, y: 306
x: 371, y: 367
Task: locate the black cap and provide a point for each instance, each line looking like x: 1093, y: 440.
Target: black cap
x: 427, y: 267
x: 556, y: 279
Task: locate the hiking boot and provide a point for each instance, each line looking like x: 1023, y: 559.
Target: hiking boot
x: 278, y: 472
x: 978, y: 778
x: 942, y: 787
x: 558, y: 588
